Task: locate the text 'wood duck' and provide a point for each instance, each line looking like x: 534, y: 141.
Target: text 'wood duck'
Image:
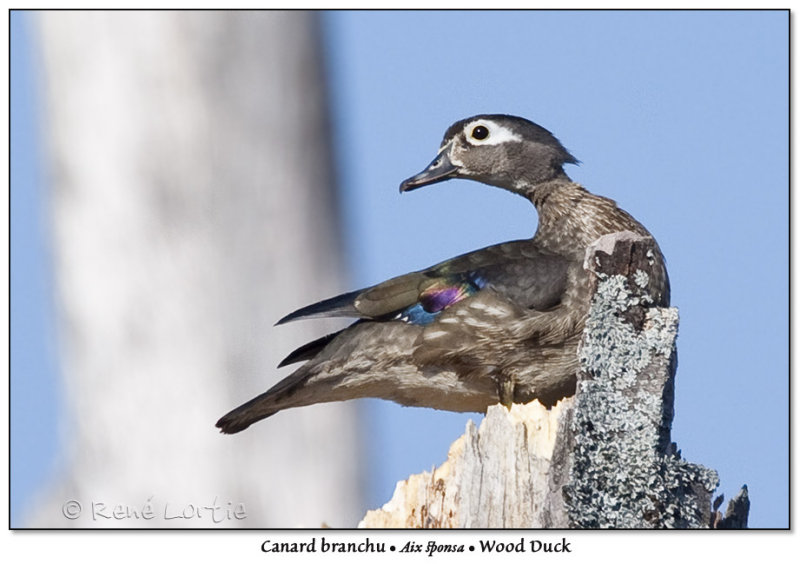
x: 501, y: 324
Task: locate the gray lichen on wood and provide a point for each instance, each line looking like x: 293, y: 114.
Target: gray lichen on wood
x: 625, y: 471
x: 603, y: 459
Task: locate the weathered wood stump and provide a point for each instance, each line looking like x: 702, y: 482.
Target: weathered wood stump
x: 602, y: 459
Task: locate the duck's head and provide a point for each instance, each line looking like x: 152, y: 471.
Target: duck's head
x: 505, y: 151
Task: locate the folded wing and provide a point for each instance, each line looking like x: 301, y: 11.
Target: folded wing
x: 516, y: 271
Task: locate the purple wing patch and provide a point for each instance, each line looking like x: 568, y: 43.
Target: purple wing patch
x: 435, y: 299
x: 438, y: 296
x: 447, y: 292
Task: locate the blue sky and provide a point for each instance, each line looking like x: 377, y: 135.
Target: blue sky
x: 682, y: 117
x: 34, y: 384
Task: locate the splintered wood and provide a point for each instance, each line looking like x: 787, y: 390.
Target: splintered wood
x: 494, y: 476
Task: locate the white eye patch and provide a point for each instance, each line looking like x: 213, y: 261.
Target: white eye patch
x: 485, y: 132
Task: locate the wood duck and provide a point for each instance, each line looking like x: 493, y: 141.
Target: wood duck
x: 500, y: 324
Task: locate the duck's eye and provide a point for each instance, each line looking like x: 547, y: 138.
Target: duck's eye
x: 480, y: 132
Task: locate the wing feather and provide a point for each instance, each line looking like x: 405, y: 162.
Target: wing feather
x: 517, y: 271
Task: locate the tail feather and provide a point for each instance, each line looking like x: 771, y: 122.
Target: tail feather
x: 309, y: 350
x: 243, y: 416
x: 262, y: 406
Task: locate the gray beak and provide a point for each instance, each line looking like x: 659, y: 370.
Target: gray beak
x: 440, y: 169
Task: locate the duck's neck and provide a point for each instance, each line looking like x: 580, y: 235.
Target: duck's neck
x: 571, y: 218
x: 541, y: 193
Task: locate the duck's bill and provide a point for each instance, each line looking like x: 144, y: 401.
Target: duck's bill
x: 440, y: 169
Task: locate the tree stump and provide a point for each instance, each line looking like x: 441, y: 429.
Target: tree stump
x: 601, y: 459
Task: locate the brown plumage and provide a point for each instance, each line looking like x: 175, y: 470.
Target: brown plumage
x: 501, y: 324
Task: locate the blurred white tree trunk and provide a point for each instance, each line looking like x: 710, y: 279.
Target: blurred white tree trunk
x: 192, y: 206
